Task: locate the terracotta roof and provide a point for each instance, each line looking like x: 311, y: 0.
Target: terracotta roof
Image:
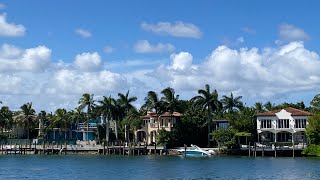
x: 165, y: 114
x: 293, y: 111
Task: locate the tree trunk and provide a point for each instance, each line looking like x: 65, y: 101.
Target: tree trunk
x: 209, y: 126
x: 116, y: 129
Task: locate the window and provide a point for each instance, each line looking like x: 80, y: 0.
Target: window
x: 265, y: 123
x: 283, y: 123
x: 300, y: 123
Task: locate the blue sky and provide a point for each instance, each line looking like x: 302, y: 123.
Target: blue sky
x: 263, y: 50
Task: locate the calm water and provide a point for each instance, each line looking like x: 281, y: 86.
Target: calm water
x: 151, y: 167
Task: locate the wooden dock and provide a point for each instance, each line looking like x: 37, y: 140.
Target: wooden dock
x: 274, y: 149
x: 111, y: 148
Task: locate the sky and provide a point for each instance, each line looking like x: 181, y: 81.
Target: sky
x: 52, y: 52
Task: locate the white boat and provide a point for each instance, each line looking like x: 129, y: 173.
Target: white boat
x: 196, y: 151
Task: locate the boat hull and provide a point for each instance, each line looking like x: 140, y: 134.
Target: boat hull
x: 194, y: 153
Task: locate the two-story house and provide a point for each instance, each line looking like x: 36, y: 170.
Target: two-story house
x: 284, y: 125
x: 152, y: 123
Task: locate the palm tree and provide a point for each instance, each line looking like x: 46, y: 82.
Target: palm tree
x: 269, y: 106
x: 107, y: 105
x: 61, y: 121
x: 26, y: 117
x: 86, y: 101
x: 133, y: 121
x: 152, y: 102
x: 258, y: 106
x: 169, y: 100
x: 43, y: 120
x: 232, y: 103
x: 207, y: 100
x: 76, y: 116
x: 125, y: 103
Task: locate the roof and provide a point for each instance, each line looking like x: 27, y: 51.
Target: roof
x: 165, y: 114
x: 293, y: 111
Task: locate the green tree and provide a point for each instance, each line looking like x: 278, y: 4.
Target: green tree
x: 125, y: 103
x: 269, y: 106
x: 259, y: 107
x: 315, y: 103
x: 231, y: 103
x: 207, y: 100
x: 43, y: 124
x: 169, y: 100
x: 87, y: 101
x: 77, y: 116
x: 164, y: 137
x: 6, y: 119
x: 152, y: 103
x: 312, y: 130
x: 244, y: 120
x: 61, y: 121
x: 26, y: 117
x: 225, y: 137
x: 108, y: 109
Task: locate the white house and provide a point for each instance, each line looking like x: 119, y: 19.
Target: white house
x: 152, y: 123
x: 284, y: 125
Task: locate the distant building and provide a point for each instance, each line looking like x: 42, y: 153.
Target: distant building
x: 152, y: 123
x: 283, y: 125
x: 220, y: 124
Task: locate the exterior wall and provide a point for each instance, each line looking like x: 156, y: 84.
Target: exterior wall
x: 298, y: 133
x: 153, y: 124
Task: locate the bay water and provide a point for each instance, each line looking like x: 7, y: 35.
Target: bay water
x: 156, y: 167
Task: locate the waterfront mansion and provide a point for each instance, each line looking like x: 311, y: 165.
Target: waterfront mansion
x: 152, y: 123
x: 283, y: 125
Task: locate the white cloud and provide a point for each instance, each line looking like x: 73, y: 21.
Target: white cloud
x: 143, y: 46
x: 181, y: 61
x: 88, y: 61
x: 108, y: 49
x: 289, y: 33
x: 251, y: 72
x: 177, y: 29
x: 74, y: 82
x: 83, y: 33
x: 13, y: 59
x: 10, y: 29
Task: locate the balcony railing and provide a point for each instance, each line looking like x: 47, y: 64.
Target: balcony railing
x: 87, y: 125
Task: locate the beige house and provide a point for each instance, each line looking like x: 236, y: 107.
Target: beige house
x: 152, y: 123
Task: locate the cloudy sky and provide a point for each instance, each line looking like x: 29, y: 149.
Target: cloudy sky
x: 51, y: 52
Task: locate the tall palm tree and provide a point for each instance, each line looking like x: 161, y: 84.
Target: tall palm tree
x: 152, y: 102
x: 269, y: 106
x: 26, y: 117
x: 108, y: 110
x: 43, y: 120
x: 87, y: 101
x: 258, y: 106
x: 125, y: 103
x: 207, y: 100
x: 232, y: 103
x: 61, y: 121
x: 169, y: 100
x: 77, y: 116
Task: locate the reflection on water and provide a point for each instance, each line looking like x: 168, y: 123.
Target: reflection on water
x: 156, y: 167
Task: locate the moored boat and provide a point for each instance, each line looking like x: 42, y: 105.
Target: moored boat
x: 196, y: 151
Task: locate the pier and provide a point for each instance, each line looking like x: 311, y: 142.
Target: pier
x: 273, y: 149
x: 110, y: 148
